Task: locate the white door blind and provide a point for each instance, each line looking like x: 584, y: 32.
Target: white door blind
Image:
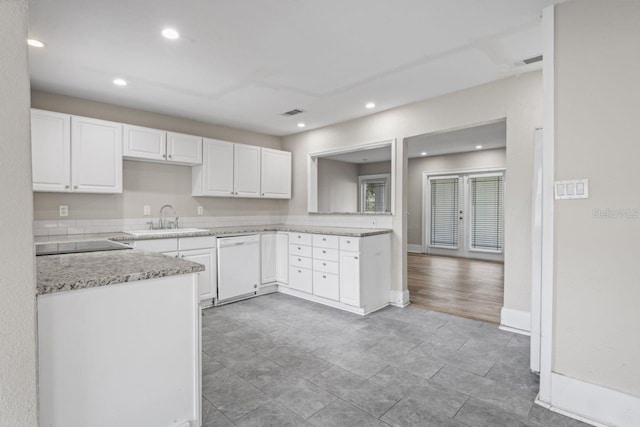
x: 444, y: 212
x: 487, y: 213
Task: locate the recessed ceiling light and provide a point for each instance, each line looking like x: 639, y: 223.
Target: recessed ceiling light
x: 370, y: 105
x: 424, y: 153
x: 35, y: 43
x: 170, y: 34
x: 301, y: 125
x: 119, y: 82
x: 478, y: 147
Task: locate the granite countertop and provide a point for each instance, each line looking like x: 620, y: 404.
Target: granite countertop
x: 58, y: 273
x: 220, y: 232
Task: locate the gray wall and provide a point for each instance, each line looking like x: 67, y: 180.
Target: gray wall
x: 374, y: 168
x: 149, y: 183
x: 452, y: 162
x: 518, y: 99
x: 597, y: 274
x: 18, y: 401
x: 337, y: 186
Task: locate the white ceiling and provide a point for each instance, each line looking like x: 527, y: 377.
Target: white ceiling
x: 459, y: 141
x: 372, y: 155
x: 243, y: 63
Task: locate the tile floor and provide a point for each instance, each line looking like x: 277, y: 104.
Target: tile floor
x: 276, y: 360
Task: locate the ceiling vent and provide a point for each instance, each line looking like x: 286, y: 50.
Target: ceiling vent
x: 293, y: 112
x: 532, y: 60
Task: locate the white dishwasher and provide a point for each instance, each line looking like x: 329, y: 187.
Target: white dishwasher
x: 238, y: 266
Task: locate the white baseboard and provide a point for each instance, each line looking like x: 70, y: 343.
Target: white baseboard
x: 417, y: 249
x: 593, y: 404
x: 399, y: 298
x: 515, y: 321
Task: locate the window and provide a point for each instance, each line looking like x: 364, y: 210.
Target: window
x: 487, y: 212
x: 444, y: 212
x: 374, y: 193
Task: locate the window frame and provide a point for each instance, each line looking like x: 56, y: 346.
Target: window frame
x: 363, y: 180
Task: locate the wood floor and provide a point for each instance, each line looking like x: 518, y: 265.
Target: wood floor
x: 459, y: 286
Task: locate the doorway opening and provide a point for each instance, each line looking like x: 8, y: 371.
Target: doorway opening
x: 456, y: 220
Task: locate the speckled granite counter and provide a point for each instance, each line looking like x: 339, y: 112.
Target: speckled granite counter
x: 222, y: 232
x: 57, y: 273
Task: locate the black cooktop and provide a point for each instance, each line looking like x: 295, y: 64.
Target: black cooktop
x: 78, y: 247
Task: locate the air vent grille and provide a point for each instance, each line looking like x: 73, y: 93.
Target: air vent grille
x: 532, y: 60
x: 293, y: 112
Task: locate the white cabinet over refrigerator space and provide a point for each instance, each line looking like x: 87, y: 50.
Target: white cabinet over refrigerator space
x: 142, y: 143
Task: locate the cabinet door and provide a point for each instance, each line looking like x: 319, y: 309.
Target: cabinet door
x: 207, y: 279
x: 144, y: 143
x: 184, y: 149
x: 350, y: 278
x: 246, y: 171
x: 275, y: 173
x: 268, y: 257
x: 282, y: 258
x: 50, y: 151
x: 96, y: 156
x: 217, y: 168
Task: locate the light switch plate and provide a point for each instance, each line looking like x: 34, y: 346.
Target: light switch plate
x: 571, y: 189
x: 64, y: 210
x: 147, y: 210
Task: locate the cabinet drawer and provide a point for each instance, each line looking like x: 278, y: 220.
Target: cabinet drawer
x: 300, y: 239
x: 350, y: 244
x: 204, y: 242
x: 300, y: 250
x: 326, y: 285
x: 300, y: 261
x: 321, y: 241
x: 326, y: 254
x: 157, y: 245
x: 301, y: 279
x: 326, y: 266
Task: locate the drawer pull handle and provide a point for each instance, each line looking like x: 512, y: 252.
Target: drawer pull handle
x: 299, y: 259
x: 324, y: 240
x: 348, y: 241
x: 324, y: 263
x: 324, y: 252
x: 299, y: 248
x: 324, y: 277
x: 299, y: 271
x: 355, y: 257
x: 299, y: 237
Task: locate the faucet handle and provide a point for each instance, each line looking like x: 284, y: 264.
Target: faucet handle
x: 177, y: 222
x: 150, y: 225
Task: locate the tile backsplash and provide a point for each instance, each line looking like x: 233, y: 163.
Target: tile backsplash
x: 85, y: 226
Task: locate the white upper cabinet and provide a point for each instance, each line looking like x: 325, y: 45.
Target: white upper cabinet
x: 96, y: 156
x: 51, y: 151
x: 155, y: 145
x: 215, y: 176
x: 184, y: 149
x: 246, y: 170
x: 275, y: 174
x: 144, y: 143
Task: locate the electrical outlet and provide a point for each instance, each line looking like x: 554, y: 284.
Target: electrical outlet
x: 200, y: 210
x: 64, y: 210
x: 147, y: 210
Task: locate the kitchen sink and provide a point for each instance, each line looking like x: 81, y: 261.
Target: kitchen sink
x: 163, y: 232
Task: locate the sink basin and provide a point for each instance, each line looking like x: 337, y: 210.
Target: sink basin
x: 139, y: 233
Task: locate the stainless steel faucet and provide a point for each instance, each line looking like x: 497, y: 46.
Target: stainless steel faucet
x: 163, y: 224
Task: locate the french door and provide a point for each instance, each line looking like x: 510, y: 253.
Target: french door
x: 464, y: 215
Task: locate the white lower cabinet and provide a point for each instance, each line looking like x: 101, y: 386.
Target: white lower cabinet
x: 352, y: 273
x: 301, y: 279
x: 326, y: 285
x: 206, y: 279
x: 201, y: 250
x: 350, y: 278
x: 282, y: 258
x: 268, y: 257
